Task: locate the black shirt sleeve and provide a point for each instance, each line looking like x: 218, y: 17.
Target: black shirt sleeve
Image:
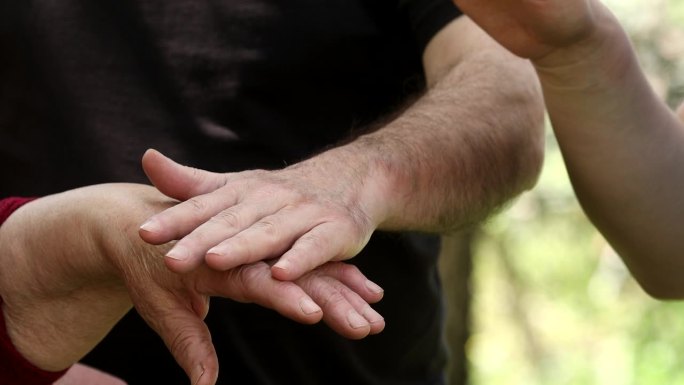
x: 427, y: 17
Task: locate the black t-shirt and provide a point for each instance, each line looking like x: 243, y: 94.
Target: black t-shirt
x: 86, y: 86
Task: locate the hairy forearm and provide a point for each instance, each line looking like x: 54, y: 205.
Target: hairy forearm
x: 624, y: 149
x: 471, y: 143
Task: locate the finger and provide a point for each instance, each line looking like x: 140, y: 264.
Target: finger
x: 266, y: 238
x: 363, y: 291
x: 190, y: 251
x: 178, y: 221
x: 178, y: 181
x: 353, y: 278
x: 254, y: 283
x: 343, y: 311
x: 325, y: 242
x: 374, y: 319
x: 186, y: 336
x: 186, y: 184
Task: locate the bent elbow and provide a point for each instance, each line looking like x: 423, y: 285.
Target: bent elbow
x: 657, y: 268
x: 664, y: 290
x: 664, y: 282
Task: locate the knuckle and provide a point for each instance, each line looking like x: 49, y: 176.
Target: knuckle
x: 197, y: 204
x: 251, y: 276
x: 196, y: 174
x: 227, y: 218
x: 200, y: 305
x: 326, y: 291
x: 182, y: 341
x: 221, y: 180
x: 356, y: 239
x: 243, y: 249
x: 267, y: 227
x: 311, y: 279
x: 333, y: 298
x: 312, y: 243
x: 347, y: 271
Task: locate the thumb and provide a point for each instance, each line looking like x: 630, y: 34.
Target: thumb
x: 187, y: 338
x: 178, y: 181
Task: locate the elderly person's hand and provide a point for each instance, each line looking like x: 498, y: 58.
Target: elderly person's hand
x: 73, y: 262
x: 304, y: 215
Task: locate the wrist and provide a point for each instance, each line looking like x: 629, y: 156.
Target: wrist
x: 53, y: 282
x: 359, y: 175
x: 387, y: 184
x: 599, y: 60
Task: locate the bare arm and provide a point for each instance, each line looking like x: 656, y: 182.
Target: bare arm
x: 624, y: 150
x: 473, y: 141
x: 470, y: 144
x: 623, y: 147
x: 73, y: 265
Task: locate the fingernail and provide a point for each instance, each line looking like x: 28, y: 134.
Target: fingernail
x: 308, y: 306
x: 178, y: 253
x: 151, y: 226
x: 371, y: 315
x: 372, y: 286
x: 216, y: 251
x: 282, y: 265
x: 355, y: 320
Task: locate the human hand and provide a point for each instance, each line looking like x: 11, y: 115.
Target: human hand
x: 304, y: 215
x: 80, y: 374
x: 538, y: 29
x: 70, y: 288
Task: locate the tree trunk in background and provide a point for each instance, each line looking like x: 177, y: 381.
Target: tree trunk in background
x: 455, y: 268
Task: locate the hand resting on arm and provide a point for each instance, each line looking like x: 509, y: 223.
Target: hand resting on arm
x: 73, y: 265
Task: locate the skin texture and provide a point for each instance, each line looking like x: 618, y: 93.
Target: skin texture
x: 470, y: 143
x: 623, y: 147
x: 73, y: 265
x: 85, y: 375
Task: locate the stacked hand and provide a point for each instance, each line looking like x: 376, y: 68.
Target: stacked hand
x: 302, y: 216
x: 71, y: 259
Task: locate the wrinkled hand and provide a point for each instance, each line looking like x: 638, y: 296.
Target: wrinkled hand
x: 304, y: 215
x: 70, y: 283
x: 534, y: 29
x: 175, y: 308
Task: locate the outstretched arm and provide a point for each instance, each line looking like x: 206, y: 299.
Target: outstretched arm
x: 73, y: 264
x: 623, y: 147
x: 473, y: 141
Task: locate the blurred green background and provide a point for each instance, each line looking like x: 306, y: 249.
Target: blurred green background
x: 551, y: 302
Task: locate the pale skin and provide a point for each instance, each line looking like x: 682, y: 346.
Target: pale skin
x: 73, y: 265
x: 470, y: 143
x: 623, y: 147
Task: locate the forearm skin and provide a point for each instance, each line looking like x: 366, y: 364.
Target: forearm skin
x: 472, y: 142
x: 624, y: 151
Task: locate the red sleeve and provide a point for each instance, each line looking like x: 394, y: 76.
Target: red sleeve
x: 14, y: 369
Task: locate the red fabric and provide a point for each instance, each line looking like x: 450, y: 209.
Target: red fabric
x: 10, y: 205
x: 15, y: 369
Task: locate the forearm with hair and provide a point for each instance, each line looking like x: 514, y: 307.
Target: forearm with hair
x: 471, y: 143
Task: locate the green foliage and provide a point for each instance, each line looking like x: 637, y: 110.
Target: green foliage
x: 552, y: 302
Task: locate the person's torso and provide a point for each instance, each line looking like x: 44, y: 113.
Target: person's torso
x: 87, y: 86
